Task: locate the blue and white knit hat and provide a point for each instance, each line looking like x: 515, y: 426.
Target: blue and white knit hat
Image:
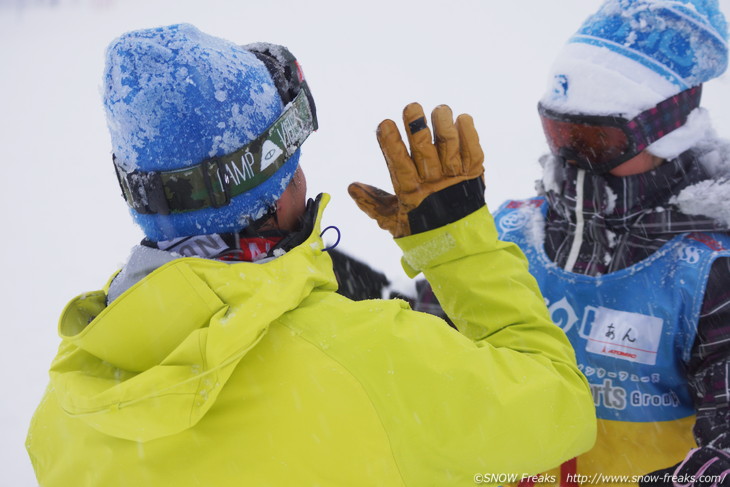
x: 632, y: 54
x: 174, y: 97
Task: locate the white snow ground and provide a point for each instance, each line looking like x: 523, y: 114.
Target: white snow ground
x: 64, y: 225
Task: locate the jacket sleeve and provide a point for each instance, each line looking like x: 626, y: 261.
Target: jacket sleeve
x: 708, y: 368
x: 543, y: 403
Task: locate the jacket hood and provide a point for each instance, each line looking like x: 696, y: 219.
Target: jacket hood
x: 153, y: 362
x: 710, y: 197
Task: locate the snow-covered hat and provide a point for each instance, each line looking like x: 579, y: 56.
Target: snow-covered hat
x: 632, y: 54
x: 177, y: 98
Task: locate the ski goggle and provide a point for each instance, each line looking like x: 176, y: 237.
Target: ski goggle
x: 600, y: 143
x: 213, y: 182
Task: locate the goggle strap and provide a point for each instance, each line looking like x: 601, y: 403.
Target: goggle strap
x: 667, y: 116
x: 215, y: 181
x: 287, y: 75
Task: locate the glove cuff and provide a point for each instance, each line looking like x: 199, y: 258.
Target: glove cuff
x: 447, y: 205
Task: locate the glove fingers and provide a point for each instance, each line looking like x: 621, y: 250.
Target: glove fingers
x: 472, y: 156
x: 403, y: 173
x: 423, y: 152
x: 447, y: 140
x: 379, y: 205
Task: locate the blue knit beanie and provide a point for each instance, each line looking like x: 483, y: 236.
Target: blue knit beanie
x: 632, y: 54
x: 684, y: 41
x: 175, y: 97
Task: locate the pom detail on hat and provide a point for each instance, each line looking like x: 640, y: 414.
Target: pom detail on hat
x: 175, y: 96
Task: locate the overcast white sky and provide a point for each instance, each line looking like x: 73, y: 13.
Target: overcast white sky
x: 65, y: 228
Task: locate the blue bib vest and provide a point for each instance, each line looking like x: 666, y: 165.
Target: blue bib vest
x: 632, y: 331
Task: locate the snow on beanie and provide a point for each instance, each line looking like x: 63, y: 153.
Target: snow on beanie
x: 632, y: 54
x: 174, y: 97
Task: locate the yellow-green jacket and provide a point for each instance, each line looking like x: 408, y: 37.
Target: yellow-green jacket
x: 213, y: 374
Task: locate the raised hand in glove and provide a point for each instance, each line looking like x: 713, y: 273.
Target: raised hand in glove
x: 439, y: 182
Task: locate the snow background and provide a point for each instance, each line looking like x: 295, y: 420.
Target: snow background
x: 65, y: 227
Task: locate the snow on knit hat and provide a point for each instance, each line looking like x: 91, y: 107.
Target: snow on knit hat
x: 176, y: 97
x: 632, y: 54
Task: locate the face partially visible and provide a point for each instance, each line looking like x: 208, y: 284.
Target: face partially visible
x: 293, y: 202
x: 639, y: 164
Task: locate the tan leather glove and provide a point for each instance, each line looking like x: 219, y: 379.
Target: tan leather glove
x: 439, y: 182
